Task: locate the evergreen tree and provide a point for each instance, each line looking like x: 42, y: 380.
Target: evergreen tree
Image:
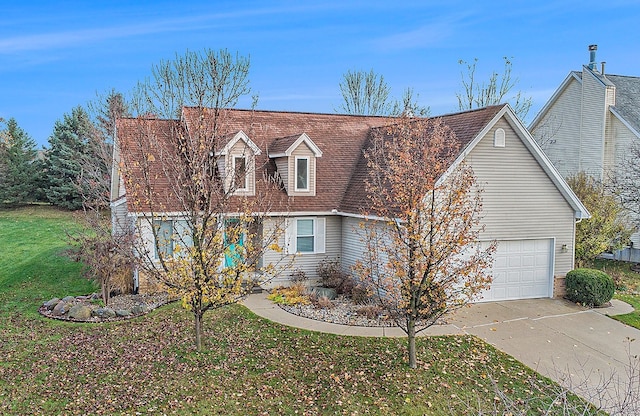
x: 69, y: 145
x: 18, y: 173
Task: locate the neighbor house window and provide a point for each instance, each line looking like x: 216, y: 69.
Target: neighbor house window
x: 164, y: 238
x: 305, y: 236
x: 302, y: 174
x: 240, y: 173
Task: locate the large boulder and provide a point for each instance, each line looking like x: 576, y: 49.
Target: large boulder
x: 80, y: 312
x: 329, y: 292
x: 123, y: 313
x: 69, y: 299
x: 139, y: 309
x: 51, y: 303
x: 104, y: 313
x: 61, y: 308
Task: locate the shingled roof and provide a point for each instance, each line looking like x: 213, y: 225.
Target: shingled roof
x: 341, y: 138
x: 465, y: 126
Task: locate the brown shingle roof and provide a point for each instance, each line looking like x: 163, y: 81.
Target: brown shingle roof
x: 341, y: 138
x: 465, y: 125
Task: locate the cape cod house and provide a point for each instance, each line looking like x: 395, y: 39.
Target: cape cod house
x: 528, y: 207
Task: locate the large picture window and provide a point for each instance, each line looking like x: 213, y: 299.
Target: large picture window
x: 302, y: 174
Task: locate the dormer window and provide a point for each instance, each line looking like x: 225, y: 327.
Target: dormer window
x: 302, y: 173
x: 236, y: 164
x: 240, y: 181
x: 296, y: 158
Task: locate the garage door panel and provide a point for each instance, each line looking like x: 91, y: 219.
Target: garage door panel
x: 522, y: 269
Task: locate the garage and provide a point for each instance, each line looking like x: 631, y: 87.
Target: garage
x: 522, y: 269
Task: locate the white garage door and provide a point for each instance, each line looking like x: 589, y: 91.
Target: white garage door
x: 522, y: 269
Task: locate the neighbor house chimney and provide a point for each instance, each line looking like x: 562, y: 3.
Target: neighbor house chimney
x: 602, y: 65
x: 592, y: 57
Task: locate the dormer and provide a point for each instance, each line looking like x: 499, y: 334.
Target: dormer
x: 237, y: 164
x: 295, y: 158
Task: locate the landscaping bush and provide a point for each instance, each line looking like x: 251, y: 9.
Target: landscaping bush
x: 589, y: 287
x: 299, y: 276
x: 331, y: 275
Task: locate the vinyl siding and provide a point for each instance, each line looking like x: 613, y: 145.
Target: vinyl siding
x: 306, y: 262
x: 120, y: 222
x: 592, y: 131
x: 559, y: 131
x: 520, y: 201
x: 282, y: 166
x: 353, y: 244
x: 238, y: 150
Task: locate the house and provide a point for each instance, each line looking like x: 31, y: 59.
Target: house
x: 590, y: 122
x: 528, y: 208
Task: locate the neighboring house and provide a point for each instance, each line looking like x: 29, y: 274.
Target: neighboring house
x: 528, y: 207
x: 590, y: 122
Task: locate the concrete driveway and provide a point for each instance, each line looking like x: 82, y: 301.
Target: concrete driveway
x: 582, y: 349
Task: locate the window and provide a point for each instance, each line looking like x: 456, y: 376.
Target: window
x: 305, y: 236
x: 164, y: 236
x: 240, y: 173
x: 302, y: 174
x: 499, y: 138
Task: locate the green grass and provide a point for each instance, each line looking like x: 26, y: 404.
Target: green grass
x: 628, y: 283
x: 249, y: 366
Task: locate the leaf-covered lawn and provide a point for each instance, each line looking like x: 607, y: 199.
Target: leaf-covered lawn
x: 248, y: 366
x: 628, y: 287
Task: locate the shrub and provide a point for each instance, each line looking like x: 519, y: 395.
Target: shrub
x: 323, y: 302
x: 299, y: 276
x: 361, y: 294
x: 370, y: 311
x: 331, y: 275
x: 295, y: 294
x: 589, y: 287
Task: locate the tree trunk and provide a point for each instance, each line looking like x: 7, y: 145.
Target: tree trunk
x: 411, y: 340
x: 198, y: 324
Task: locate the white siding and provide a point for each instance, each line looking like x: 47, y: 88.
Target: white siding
x: 520, y: 200
x: 558, y: 133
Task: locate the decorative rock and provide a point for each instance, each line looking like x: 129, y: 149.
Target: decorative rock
x: 80, y: 312
x: 104, y: 313
x: 50, y: 304
x: 123, y: 313
x: 139, y: 309
x: 61, y: 308
x: 325, y: 291
x: 68, y: 299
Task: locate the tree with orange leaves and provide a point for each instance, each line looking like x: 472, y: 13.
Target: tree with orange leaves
x: 423, y: 256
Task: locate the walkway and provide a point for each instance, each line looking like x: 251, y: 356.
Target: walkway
x: 578, y: 348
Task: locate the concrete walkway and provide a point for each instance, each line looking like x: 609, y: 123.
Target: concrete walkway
x: 581, y: 349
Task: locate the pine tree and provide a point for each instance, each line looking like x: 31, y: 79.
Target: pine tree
x: 18, y: 173
x: 69, y: 145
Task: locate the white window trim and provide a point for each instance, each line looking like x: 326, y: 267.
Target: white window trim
x: 295, y: 176
x: 246, y: 173
x: 319, y: 236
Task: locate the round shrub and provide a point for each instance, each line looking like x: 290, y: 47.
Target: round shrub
x: 589, y: 287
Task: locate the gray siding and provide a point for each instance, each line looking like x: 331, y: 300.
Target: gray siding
x: 592, y: 127
x: 558, y: 133
x: 353, y: 245
x: 520, y: 200
x: 306, y: 262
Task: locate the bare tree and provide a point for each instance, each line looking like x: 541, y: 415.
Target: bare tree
x: 364, y: 93
x: 625, y: 181
x: 199, y: 206
x: 495, y: 91
x: 422, y: 253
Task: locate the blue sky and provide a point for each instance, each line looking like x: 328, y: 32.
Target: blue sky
x: 57, y: 55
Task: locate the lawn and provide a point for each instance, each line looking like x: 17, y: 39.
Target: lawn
x: 628, y: 287
x: 248, y: 365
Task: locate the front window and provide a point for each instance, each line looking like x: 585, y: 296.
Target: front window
x: 305, y: 236
x: 302, y: 174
